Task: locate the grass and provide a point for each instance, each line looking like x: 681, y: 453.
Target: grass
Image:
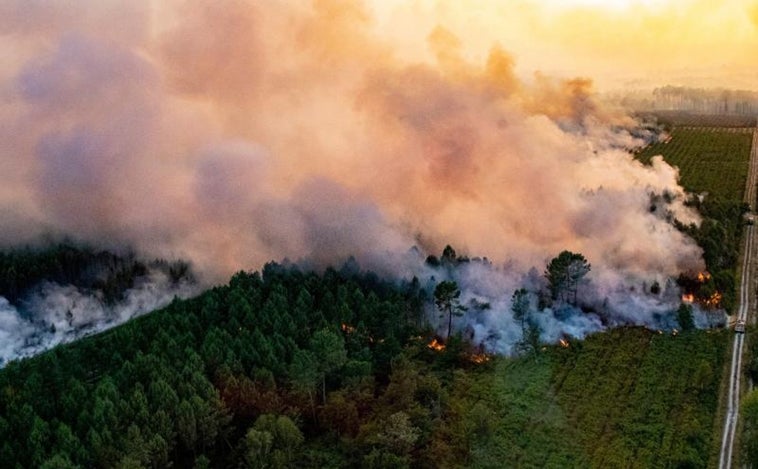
x: 625, y: 398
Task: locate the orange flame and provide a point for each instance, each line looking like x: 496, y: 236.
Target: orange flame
x: 703, y: 277
x: 564, y: 343
x: 436, y: 345
x: 479, y: 358
x: 714, y: 300
x: 347, y: 329
x: 688, y: 298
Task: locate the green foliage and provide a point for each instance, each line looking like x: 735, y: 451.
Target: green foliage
x: 564, y: 274
x: 399, y: 435
x: 232, y: 378
x: 446, y: 295
x: 684, y: 317
x: 520, y: 306
x: 179, y: 386
x: 709, y: 160
x: 749, y: 438
x: 712, y: 161
x: 257, y: 449
x: 625, y: 398
x: 530, y: 343
x: 67, y: 263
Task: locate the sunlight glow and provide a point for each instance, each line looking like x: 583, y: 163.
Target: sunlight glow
x: 604, y: 4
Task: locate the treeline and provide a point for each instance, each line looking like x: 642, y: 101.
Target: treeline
x: 709, y: 101
x: 66, y: 263
x: 719, y: 235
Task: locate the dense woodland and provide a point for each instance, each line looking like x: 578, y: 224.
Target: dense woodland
x: 285, y: 368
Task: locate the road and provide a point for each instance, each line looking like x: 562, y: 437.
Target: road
x: 746, y: 295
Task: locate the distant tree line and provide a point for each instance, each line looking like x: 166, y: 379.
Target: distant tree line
x: 67, y: 263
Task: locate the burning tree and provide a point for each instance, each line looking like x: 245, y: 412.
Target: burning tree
x: 564, y: 273
x: 446, y: 296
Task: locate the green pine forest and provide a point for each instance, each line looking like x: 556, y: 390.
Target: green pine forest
x: 290, y: 369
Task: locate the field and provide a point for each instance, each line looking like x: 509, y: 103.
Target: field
x: 709, y: 160
x: 625, y: 398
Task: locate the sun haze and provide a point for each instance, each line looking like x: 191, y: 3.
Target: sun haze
x: 651, y: 42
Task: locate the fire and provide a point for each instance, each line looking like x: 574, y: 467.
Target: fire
x: 436, y: 345
x: 703, y: 277
x: 479, y: 358
x: 347, y: 329
x: 714, y: 300
x: 674, y: 332
x: 564, y: 343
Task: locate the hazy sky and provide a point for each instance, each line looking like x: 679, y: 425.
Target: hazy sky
x: 696, y: 42
x: 233, y: 132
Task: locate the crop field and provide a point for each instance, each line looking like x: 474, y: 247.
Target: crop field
x: 713, y: 160
x: 625, y: 398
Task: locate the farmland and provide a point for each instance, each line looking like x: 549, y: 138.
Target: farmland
x: 625, y: 398
x: 710, y: 160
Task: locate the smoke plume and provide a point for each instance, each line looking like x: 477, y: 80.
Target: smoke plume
x: 235, y: 132
x: 53, y: 314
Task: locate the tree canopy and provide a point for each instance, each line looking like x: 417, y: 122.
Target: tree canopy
x: 564, y: 274
x: 446, y: 297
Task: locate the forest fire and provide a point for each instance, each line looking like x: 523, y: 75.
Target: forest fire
x: 714, y: 300
x: 703, y: 277
x: 347, y: 329
x: 436, y: 345
x: 479, y: 358
x: 563, y: 343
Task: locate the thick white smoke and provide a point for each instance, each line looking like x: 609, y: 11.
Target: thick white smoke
x: 54, y: 314
x: 605, y: 299
x: 236, y: 132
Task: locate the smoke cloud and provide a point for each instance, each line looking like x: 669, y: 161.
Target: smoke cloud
x: 235, y: 132
x: 53, y: 314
